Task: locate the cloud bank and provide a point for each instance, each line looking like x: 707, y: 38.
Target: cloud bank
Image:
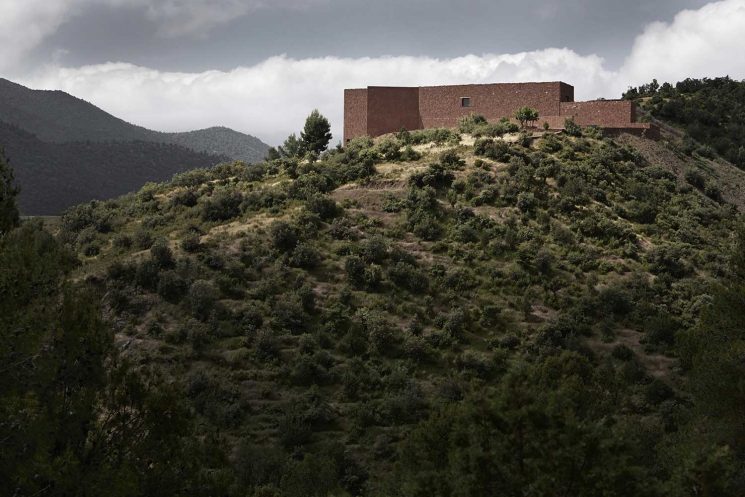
x: 24, y: 24
x: 272, y: 98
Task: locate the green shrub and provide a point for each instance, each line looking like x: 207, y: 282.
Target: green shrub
x: 284, y: 236
x: 289, y: 315
x: 305, y: 256
x: 186, y: 198
x: 451, y: 160
x: 142, y: 239
x: 408, y: 276
x: 342, y: 229
x: 436, y: 176
x: 695, y: 178
x: 266, y: 346
x: 526, y: 202
x: 572, y: 128
x: 498, y: 150
x: 389, y: 149
x: 222, y: 206
x: 408, y: 154
x: 191, y: 243
x: 146, y: 274
x: 712, y: 190
x: 202, y: 298
x: 622, y: 353
x: 550, y: 144
x: 668, y: 259
x: 375, y: 249
x: 436, y: 135
x: 467, y: 124
x: 324, y: 206
x: 171, y: 286
x: 122, y: 241
x: 161, y: 254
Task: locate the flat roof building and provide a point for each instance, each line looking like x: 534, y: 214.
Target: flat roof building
x: 377, y: 110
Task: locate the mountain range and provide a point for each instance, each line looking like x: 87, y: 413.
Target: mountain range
x: 66, y: 151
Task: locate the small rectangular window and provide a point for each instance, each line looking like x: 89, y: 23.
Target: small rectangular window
x: 465, y: 101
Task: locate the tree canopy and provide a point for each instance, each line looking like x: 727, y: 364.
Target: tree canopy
x: 526, y: 116
x: 316, y: 133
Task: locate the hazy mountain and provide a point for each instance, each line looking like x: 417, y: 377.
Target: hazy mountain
x: 55, y: 176
x: 66, y: 150
x: 56, y: 116
x: 222, y: 141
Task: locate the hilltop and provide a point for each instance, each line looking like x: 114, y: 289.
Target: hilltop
x: 62, y: 146
x: 441, y: 312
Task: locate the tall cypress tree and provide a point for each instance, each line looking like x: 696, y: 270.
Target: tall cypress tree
x: 9, y: 217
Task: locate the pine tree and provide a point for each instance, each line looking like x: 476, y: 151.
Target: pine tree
x: 292, y: 147
x: 8, y: 192
x: 316, y: 134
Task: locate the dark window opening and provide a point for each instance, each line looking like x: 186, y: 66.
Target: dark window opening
x: 465, y: 101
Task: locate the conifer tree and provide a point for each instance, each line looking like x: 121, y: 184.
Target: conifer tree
x: 316, y: 134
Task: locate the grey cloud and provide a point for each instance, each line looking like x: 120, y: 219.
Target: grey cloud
x: 236, y: 33
x: 273, y: 96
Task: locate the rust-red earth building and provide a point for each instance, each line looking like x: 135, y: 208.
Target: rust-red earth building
x: 377, y: 110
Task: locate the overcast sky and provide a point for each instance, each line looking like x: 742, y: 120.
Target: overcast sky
x: 260, y: 66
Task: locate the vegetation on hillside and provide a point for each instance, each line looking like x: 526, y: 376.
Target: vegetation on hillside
x: 711, y: 111
x: 57, y: 117
x: 55, y: 176
x: 218, y: 141
x: 313, y: 140
x: 66, y: 151
x: 429, y: 313
x: 419, y: 315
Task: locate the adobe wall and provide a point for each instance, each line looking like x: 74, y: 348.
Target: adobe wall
x: 379, y: 110
x: 355, y: 113
x: 603, y: 113
x: 389, y: 109
x: 644, y: 130
x: 440, y: 106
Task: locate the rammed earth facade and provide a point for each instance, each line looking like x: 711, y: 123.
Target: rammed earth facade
x: 377, y: 110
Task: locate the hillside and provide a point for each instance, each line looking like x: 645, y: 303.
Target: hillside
x: 66, y: 151
x: 711, y: 112
x: 55, y: 176
x: 220, y: 141
x: 433, y: 314
x: 57, y: 117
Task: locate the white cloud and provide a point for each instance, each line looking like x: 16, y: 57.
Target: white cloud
x: 23, y: 25
x: 697, y: 43
x: 271, y: 99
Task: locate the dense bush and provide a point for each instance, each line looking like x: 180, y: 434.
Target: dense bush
x: 284, y: 236
x: 494, y: 149
x: 202, y: 298
x: 709, y: 110
x: 222, y: 206
x: 171, y: 286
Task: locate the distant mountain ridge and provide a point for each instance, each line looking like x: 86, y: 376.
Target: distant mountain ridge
x: 58, y: 117
x: 66, y: 151
x: 55, y: 176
